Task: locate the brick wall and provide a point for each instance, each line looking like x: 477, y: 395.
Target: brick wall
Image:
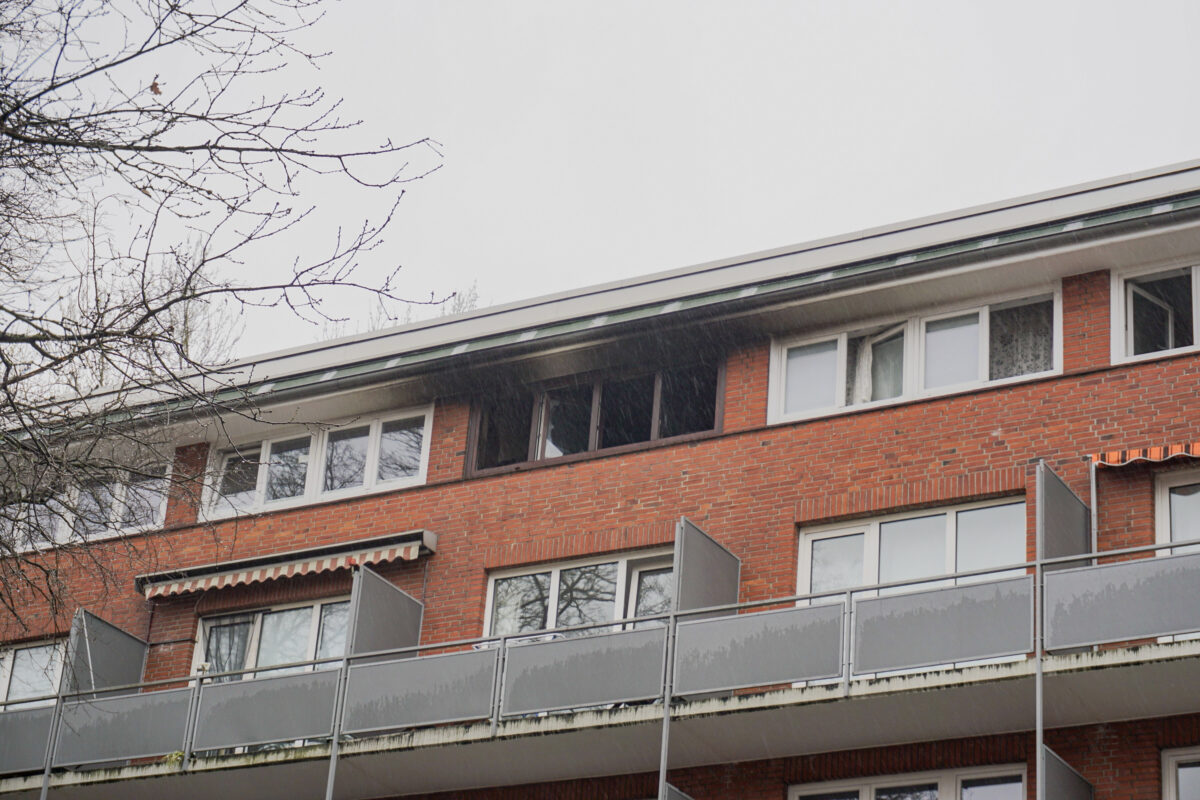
x: 748, y: 487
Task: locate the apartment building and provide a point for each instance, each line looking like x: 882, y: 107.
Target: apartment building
x: 902, y: 515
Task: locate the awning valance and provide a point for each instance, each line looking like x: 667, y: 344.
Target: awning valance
x: 398, y: 547
x: 1118, y: 458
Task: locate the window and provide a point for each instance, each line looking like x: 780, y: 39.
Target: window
x: 138, y: 502
x: 595, y: 413
x: 1181, y: 774
x: 30, y: 671
x: 1004, y: 783
x: 919, y: 356
x: 98, y: 510
x: 1158, y: 313
x: 579, y: 593
x: 1177, y: 510
x: 914, y: 545
x: 362, y: 456
x: 273, y: 636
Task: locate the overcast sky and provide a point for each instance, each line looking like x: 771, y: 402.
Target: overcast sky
x: 591, y: 141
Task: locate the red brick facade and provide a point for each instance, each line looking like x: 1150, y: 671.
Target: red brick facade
x: 750, y: 486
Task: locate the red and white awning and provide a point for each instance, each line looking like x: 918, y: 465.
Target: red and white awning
x: 285, y: 569
x: 1119, y: 458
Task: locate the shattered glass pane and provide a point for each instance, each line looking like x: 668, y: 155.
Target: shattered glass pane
x: 689, y: 400
x: 400, y: 445
x: 568, y: 421
x: 520, y: 604
x: 626, y: 411
x: 287, y: 469
x: 587, y: 594
x: 346, y: 458
x: 504, y: 432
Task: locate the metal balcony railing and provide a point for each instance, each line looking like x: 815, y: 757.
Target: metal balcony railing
x: 834, y: 636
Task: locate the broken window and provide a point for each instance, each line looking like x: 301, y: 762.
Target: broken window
x: 597, y: 413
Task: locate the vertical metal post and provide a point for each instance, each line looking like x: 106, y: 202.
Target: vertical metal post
x: 498, y: 682
x: 189, y: 726
x: 668, y: 690
x: 51, y: 742
x: 847, y: 632
x: 339, y: 709
x: 1094, y: 508
x: 1039, y: 598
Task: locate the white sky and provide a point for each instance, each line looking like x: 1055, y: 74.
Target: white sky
x: 587, y: 141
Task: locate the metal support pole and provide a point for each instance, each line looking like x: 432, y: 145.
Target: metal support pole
x: 668, y: 690
x: 189, y: 725
x: 498, y: 682
x: 51, y: 744
x: 847, y: 632
x: 1039, y: 598
x: 339, y: 713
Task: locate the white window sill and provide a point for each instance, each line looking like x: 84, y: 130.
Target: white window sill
x: 926, y: 394
x: 217, y: 515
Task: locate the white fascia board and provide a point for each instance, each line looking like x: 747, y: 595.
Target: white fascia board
x: 729, y: 273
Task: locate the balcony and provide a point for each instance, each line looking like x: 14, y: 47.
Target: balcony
x: 864, y: 667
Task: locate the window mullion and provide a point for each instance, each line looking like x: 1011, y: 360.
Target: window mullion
x: 552, y: 600
x: 264, y: 458
x: 374, y: 446
x: 622, y: 590
x: 841, y: 370
x: 985, y: 350
x: 594, y: 425
x: 656, y: 406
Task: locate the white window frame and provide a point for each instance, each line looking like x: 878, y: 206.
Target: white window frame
x: 1171, y: 759
x: 8, y: 658
x: 628, y: 565
x: 914, y: 355
x: 214, y: 508
x: 255, y: 617
x: 869, y: 528
x: 1163, y: 483
x: 62, y: 528
x: 1120, y: 310
x: 949, y: 782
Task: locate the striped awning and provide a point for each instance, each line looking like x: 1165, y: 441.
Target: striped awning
x: 405, y: 547
x: 1117, y: 458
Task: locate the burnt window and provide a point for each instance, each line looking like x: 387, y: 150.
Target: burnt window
x: 596, y: 412
x: 626, y: 411
x: 504, y: 432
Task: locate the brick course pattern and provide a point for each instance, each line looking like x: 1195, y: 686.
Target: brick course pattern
x: 749, y: 487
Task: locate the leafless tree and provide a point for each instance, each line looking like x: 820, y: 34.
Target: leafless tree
x: 151, y: 153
